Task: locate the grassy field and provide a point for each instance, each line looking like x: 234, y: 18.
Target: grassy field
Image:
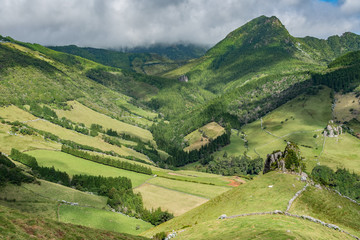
x: 43, y: 199
x: 100, y: 219
x: 342, y: 152
x: 20, y: 142
x: 201, y: 190
x: 302, y: 121
x: 74, y: 165
x: 329, y: 207
x: 202, y: 136
x: 13, y: 113
x: 22, y: 226
x: 347, y: 107
x: 81, y: 113
x: 260, y: 227
x: 254, y: 196
x: 173, y: 201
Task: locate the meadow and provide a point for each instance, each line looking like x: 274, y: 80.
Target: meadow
x: 74, y: 165
x: 254, y: 196
x: 101, y: 219
x: 81, y: 113
x: 173, y: 201
x: 329, y: 207
x: 263, y: 227
x: 197, y: 189
x: 202, y: 136
x: 302, y: 121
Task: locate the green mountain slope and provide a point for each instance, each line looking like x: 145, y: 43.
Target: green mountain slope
x: 141, y: 62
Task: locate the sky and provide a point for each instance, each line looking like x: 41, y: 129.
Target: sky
x: 129, y: 23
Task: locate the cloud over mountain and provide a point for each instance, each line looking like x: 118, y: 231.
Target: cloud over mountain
x: 115, y: 23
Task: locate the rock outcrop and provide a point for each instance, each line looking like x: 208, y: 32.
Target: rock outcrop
x: 183, y: 78
x: 290, y: 159
x: 332, y: 130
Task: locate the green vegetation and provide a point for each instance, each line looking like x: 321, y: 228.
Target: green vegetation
x: 155, y: 197
x: 74, y: 165
x: 99, y: 219
x: 16, y: 225
x: 201, y: 190
x: 254, y: 196
x: 265, y: 227
x: 107, y: 161
x: 329, y: 207
x: 342, y: 180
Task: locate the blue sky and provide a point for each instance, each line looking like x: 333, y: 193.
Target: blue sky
x: 118, y: 23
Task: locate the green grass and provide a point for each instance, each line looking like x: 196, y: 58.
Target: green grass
x: 202, y: 136
x: 22, y: 226
x: 101, y: 219
x: 298, y: 121
x: 81, y: 113
x: 343, y: 152
x: 329, y: 207
x: 173, y: 201
x: 260, y: 227
x: 254, y: 196
x: 74, y: 165
x: 201, y: 190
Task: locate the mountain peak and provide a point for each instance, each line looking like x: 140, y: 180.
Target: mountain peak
x: 259, y: 32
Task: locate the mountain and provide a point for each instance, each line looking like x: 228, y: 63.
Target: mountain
x: 99, y: 141
x: 142, y: 62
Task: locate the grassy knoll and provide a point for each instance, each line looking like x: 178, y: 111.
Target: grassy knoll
x: 202, y: 136
x: 22, y: 226
x: 81, y: 113
x: 74, y: 165
x: 261, y: 227
x: 202, y: 190
x: 100, y: 219
x: 27, y: 142
x: 342, y: 152
x: 175, y: 202
x: 254, y: 196
x: 347, y: 107
x: 329, y: 207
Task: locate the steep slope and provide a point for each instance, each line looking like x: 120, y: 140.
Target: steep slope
x: 139, y: 61
x: 16, y: 225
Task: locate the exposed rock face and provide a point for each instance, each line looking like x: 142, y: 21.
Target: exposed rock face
x: 289, y: 159
x: 332, y: 130
x: 183, y: 78
x: 273, y: 161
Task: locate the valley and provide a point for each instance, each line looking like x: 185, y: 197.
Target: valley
x: 105, y: 144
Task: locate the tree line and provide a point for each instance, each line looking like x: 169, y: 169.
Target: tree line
x: 9, y: 173
x: 118, y: 189
x: 107, y: 161
x: 342, y: 180
x: 181, y: 158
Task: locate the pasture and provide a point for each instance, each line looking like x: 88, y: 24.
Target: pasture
x: 173, y: 201
x: 81, y: 113
x: 102, y: 219
x: 74, y: 165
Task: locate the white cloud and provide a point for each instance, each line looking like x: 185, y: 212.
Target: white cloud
x: 114, y: 23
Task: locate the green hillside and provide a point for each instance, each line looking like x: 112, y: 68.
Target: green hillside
x: 141, y: 62
x: 17, y: 225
